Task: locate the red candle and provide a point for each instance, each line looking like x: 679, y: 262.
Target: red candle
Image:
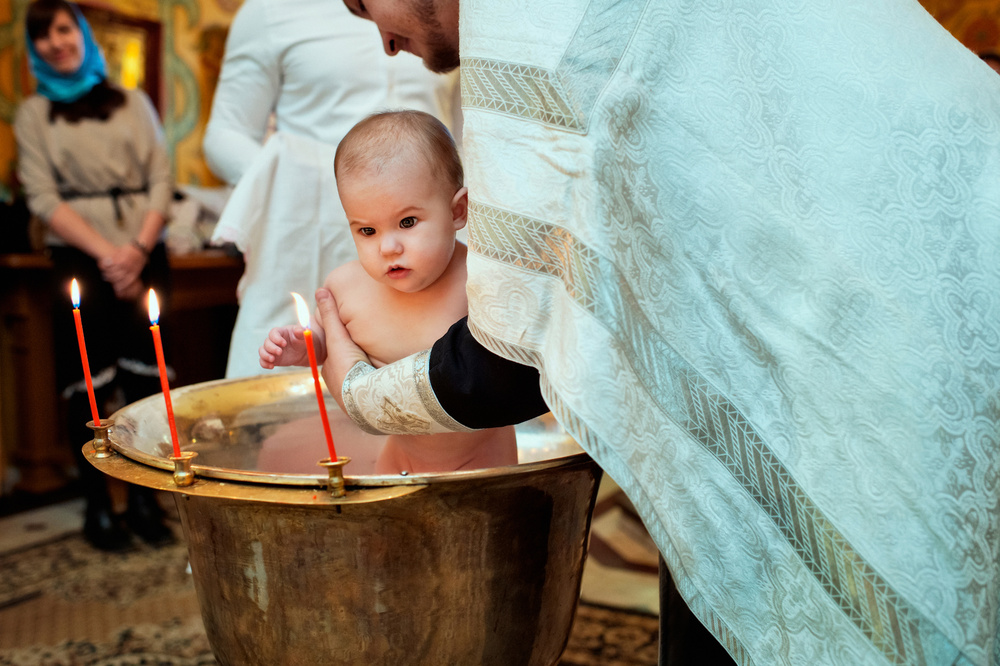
x: 303, y: 312
x: 74, y: 290
x: 154, y: 318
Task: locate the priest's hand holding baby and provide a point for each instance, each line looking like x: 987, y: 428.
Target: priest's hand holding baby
x: 343, y: 353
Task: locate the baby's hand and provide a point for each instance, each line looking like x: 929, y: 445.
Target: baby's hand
x: 284, y: 346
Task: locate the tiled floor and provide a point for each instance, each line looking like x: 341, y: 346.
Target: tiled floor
x: 28, y: 528
x: 621, y: 568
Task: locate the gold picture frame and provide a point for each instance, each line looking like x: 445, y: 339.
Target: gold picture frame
x: 131, y: 47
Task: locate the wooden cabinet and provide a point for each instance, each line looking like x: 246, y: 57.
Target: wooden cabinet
x: 30, y: 430
x: 202, y: 314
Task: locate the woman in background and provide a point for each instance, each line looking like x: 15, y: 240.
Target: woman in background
x: 95, y: 170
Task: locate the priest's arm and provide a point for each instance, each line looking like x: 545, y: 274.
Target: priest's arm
x: 457, y: 385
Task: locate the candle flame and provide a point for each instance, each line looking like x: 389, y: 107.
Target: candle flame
x: 154, y: 308
x: 74, y: 293
x: 301, y: 309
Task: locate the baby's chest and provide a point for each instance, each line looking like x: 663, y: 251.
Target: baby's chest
x: 388, y: 332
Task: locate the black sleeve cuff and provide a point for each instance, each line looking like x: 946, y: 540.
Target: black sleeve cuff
x: 479, y: 389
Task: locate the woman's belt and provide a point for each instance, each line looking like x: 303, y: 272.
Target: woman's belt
x: 114, y: 193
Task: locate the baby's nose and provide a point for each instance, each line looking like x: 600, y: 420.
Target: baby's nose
x: 390, y: 245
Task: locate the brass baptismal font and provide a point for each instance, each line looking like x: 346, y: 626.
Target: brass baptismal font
x: 298, y: 563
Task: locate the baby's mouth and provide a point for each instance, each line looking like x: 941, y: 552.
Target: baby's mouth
x: 396, y: 270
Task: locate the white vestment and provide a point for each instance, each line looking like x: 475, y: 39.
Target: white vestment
x: 754, y: 249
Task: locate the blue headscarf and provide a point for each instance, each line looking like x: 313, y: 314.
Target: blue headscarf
x: 69, y: 87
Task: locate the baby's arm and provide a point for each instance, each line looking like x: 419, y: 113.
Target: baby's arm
x: 286, y: 345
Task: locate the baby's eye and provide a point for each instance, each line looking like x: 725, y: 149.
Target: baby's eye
x: 366, y: 231
x: 407, y: 222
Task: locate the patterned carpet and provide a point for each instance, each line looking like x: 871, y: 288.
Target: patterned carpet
x: 64, y: 604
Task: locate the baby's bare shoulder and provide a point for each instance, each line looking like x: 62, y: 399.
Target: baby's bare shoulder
x: 342, y: 276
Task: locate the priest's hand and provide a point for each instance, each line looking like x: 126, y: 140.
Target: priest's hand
x: 341, y: 352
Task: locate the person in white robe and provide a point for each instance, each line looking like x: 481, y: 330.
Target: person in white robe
x: 753, y: 251
x: 318, y: 70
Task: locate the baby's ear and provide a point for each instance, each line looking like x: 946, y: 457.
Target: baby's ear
x: 460, y: 208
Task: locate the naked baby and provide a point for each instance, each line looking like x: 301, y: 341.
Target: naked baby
x: 401, y: 184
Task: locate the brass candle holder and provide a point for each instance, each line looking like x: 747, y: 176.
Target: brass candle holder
x: 183, y: 474
x: 335, y: 468
x: 101, y: 441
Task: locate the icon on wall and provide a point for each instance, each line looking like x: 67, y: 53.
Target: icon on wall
x: 125, y: 53
x: 131, y: 49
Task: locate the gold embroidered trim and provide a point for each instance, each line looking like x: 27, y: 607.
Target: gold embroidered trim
x: 565, y: 97
x: 422, y: 380
x: 358, y: 370
x: 894, y: 627
x: 517, y: 90
x: 397, y: 398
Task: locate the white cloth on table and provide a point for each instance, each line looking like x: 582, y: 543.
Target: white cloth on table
x: 754, y: 249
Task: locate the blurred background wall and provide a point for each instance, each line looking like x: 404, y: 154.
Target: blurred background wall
x: 975, y: 23
x: 182, y: 41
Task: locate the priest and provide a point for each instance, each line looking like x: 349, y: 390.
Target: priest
x: 748, y: 253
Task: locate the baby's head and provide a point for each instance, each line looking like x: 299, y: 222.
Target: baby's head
x: 400, y: 181
x: 375, y: 143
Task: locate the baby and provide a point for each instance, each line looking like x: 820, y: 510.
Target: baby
x: 401, y: 184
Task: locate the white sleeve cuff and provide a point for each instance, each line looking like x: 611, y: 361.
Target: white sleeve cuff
x: 396, y: 399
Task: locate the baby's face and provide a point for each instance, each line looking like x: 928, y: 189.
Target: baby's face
x: 403, y: 222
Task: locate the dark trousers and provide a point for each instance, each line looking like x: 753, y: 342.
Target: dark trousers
x: 684, y: 640
x: 115, y: 330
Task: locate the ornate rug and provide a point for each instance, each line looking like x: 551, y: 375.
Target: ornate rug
x: 63, y: 603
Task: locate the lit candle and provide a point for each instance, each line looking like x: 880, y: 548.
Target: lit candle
x: 74, y: 290
x: 303, y: 312
x: 154, y: 318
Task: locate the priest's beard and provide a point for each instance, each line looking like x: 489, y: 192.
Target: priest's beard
x: 442, y: 55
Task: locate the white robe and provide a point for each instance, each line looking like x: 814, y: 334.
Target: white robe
x: 754, y: 249
x: 320, y: 70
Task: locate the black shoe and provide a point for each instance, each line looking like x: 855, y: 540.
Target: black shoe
x: 145, y: 518
x: 104, y: 531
